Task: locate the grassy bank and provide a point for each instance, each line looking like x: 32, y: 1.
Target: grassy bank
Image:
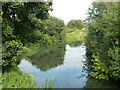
x: 17, y: 79
x: 75, y: 36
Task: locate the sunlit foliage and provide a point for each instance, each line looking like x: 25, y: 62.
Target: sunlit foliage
x: 103, y: 40
x: 75, y: 24
x: 20, y: 22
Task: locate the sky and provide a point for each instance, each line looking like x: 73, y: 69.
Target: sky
x: 70, y: 9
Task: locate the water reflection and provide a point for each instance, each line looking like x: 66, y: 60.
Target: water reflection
x: 48, y: 57
x: 94, y: 83
x: 62, y: 62
x: 67, y: 63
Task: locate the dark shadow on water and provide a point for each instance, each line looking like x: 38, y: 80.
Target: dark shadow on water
x: 94, y: 83
x: 67, y: 64
x: 48, y: 57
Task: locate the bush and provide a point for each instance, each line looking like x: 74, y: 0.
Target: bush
x: 103, y: 40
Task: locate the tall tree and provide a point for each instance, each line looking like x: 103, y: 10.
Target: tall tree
x: 54, y: 25
x: 20, y: 21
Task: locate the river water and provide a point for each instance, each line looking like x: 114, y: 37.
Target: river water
x: 65, y: 63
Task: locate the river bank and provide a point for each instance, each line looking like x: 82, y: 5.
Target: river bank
x: 16, y: 78
x: 75, y: 36
x: 13, y: 82
x: 48, y: 63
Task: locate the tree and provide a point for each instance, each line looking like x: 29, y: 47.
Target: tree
x: 20, y: 22
x: 75, y: 23
x: 55, y: 28
x: 103, y: 40
x: 54, y: 25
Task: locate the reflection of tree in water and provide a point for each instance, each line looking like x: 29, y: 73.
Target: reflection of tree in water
x: 76, y: 43
x: 48, y: 57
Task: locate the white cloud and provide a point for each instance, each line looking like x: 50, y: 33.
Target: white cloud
x: 70, y: 9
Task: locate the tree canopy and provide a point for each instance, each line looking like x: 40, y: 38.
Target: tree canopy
x: 75, y: 23
x: 20, y: 22
x: 25, y: 24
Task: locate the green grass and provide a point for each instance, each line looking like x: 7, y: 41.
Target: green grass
x: 50, y: 84
x: 17, y: 79
x: 75, y: 36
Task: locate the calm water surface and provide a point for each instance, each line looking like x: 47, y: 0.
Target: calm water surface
x: 65, y: 63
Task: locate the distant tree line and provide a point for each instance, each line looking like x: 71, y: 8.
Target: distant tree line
x: 75, y: 24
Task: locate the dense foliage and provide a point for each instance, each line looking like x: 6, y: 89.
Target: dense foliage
x: 103, y: 40
x: 54, y: 25
x: 25, y: 27
x: 26, y: 24
x: 75, y: 24
x: 55, y: 29
x: 20, y: 23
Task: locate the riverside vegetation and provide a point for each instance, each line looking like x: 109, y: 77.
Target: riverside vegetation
x: 74, y: 32
x: 103, y: 40
x: 26, y: 26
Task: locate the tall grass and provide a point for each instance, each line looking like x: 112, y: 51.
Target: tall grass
x: 50, y: 84
x: 17, y: 79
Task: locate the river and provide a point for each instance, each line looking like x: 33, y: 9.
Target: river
x: 66, y: 64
